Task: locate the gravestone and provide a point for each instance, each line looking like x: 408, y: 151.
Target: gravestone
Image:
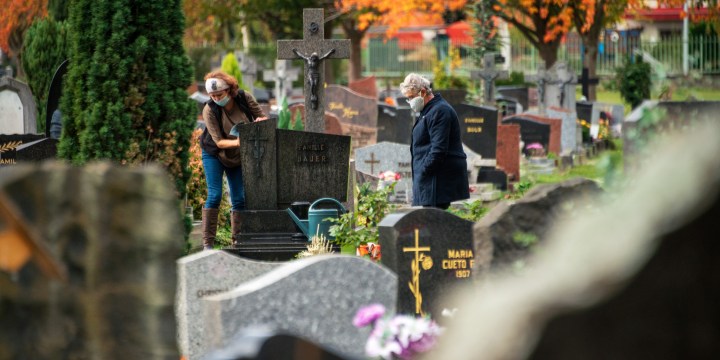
x: 199, y: 276
x: 18, y: 112
x: 283, y: 76
x: 248, y: 68
x: 454, y: 97
x: 358, y: 114
x: 478, y: 126
x: 394, y: 124
x: 117, y: 231
x: 313, y: 49
x: 541, y: 79
x: 366, y: 86
x: 554, y: 144
x: 281, y: 167
x: 508, y: 150
x: 431, y: 252
x: 315, y: 297
x: 387, y: 156
x: 560, y: 89
x: 531, y: 131
x: 489, y: 74
x: 585, y: 112
x: 519, y: 92
x: 12, y: 145
x: 568, y: 136
x: 53, y: 121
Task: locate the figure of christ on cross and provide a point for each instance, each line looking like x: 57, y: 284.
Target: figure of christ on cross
x: 313, y: 72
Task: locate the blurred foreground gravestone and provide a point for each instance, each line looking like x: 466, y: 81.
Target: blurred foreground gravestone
x: 116, y: 231
x: 634, y: 279
x: 315, y: 297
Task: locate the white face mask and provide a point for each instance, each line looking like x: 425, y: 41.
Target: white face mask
x: 417, y: 104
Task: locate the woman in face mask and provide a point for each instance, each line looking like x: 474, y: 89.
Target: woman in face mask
x: 439, y: 164
x: 227, y: 107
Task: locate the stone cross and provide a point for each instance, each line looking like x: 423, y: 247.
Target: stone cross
x: 564, y: 78
x: 586, y: 81
x: 541, y: 78
x: 489, y: 74
x: 372, y: 163
x: 313, y: 49
x: 283, y: 76
x: 248, y: 67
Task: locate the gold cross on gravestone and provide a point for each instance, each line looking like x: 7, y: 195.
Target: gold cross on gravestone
x: 419, y: 259
x: 313, y: 49
x: 372, y: 163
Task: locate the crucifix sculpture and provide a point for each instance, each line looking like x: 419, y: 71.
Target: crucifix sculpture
x: 489, y: 74
x: 314, y: 48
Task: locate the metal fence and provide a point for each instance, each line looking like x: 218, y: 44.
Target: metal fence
x: 394, y: 58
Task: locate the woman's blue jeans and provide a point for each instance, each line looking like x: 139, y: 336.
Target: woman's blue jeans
x: 214, y: 170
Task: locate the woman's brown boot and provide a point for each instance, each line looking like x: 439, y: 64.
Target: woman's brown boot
x: 209, y: 227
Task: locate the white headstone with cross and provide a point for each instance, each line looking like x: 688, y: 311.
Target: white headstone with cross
x: 283, y: 75
x: 313, y: 49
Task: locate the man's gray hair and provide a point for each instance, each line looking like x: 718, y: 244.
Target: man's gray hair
x: 415, y: 82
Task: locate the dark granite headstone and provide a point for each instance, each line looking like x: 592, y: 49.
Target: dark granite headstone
x: 531, y: 131
x: 394, y: 124
x: 493, y: 176
x: 431, y: 251
x: 37, y: 150
x: 351, y: 107
x: 281, y: 167
x: 521, y: 93
x: 478, y: 128
x: 10, y: 146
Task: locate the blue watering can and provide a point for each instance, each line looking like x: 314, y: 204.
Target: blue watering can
x: 316, y: 223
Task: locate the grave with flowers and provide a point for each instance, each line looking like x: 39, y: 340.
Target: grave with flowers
x: 391, y: 162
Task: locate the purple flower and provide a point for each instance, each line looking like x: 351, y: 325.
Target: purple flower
x: 535, y: 146
x: 368, y: 315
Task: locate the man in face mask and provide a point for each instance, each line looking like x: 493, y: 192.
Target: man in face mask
x: 439, y: 164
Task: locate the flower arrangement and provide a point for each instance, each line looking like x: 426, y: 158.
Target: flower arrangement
x: 399, y: 336
x: 360, y: 226
x: 535, y: 150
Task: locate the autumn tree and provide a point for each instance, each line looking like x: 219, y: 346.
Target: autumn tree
x: 15, y: 19
x: 124, y: 96
x: 543, y: 23
x: 359, y: 15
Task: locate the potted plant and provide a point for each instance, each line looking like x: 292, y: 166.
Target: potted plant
x: 355, y: 230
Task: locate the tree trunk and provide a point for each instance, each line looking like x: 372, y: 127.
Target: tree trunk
x: 355, y: 36
x: 590, y: 62
x: 548, y: 52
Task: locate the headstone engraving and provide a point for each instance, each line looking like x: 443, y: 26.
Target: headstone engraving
x: 478, y: 126
x: 312, y: 48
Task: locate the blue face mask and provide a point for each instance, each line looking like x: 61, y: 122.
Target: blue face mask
x: 223, y: 101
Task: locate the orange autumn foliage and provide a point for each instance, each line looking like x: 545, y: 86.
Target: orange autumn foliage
x: 397, y: 14
x: 15, y: 18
